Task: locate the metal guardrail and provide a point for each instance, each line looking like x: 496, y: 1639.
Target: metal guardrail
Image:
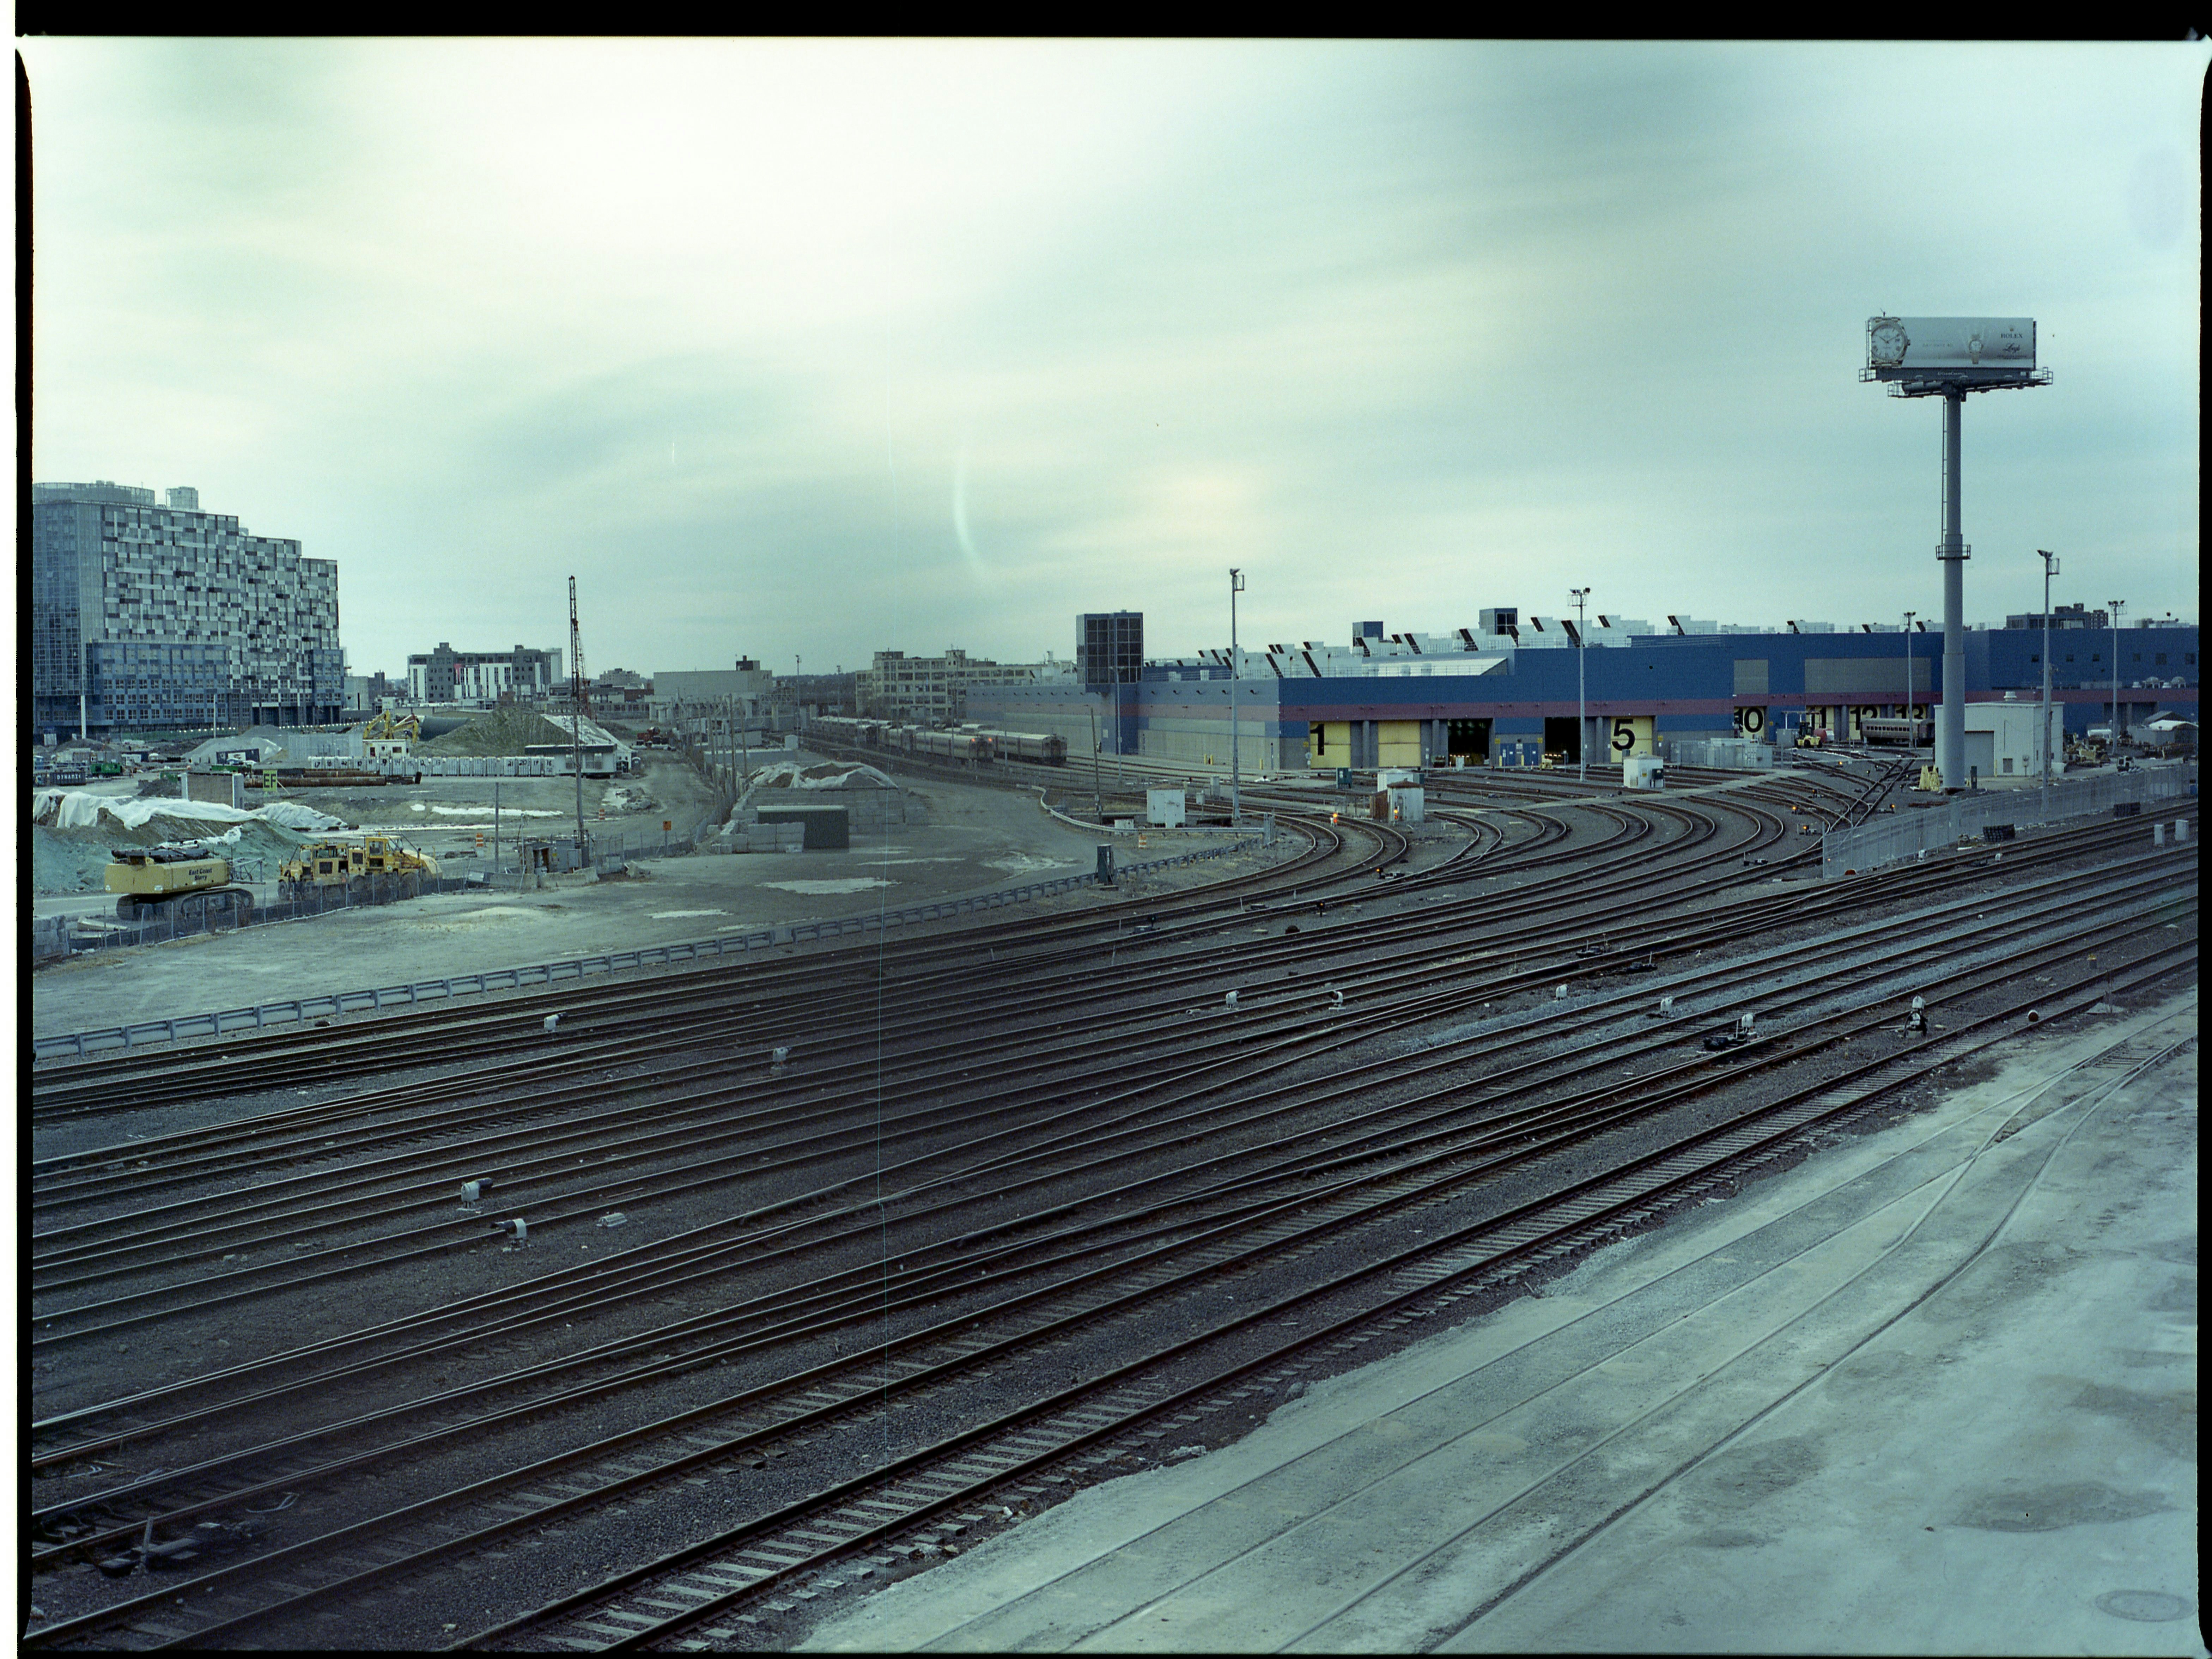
x: 1912, y: 832
x: 76, y: 1044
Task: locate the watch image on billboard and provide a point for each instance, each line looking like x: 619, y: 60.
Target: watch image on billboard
x: 1941, y: 342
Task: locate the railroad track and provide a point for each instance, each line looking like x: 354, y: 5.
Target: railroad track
x: 107, y: 1087
x: 976, y: 1248
x: 982, y: 1458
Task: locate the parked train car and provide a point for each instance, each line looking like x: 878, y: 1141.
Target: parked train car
x: 1038, y: 749
x: 971, y: 746
x: 846, y: 729
x: 1896, y: 730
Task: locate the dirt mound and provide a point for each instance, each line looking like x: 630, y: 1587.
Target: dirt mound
x: 502, y: 732
x: 72, y: 833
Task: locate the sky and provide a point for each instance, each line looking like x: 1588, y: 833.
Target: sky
x: 802, y: 350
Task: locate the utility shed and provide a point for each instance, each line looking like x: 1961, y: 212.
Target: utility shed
x: 2000, y: 739
x: 828, y: 829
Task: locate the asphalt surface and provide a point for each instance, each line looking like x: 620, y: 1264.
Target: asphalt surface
x: 976, y: 840
x: 1931, y: 1391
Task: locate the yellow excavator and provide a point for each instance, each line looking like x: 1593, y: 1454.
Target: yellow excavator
x: 179, y: 881
x: 359, y: 867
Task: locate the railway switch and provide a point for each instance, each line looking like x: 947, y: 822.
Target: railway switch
x: 1229, y: 1000
x: 1916, y: 1021
x: 551, y: 1021
x: 473, y: 1191
x: 518, y: 1231
x: 778, y: 1056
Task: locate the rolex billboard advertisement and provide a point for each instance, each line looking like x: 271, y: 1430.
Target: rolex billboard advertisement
x: 1908, y: 345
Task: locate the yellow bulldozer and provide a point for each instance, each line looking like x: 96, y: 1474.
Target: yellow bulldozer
x: 178, y: 882
x: 374, y: 867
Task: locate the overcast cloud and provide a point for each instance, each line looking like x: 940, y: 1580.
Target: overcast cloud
x: 826, y: 348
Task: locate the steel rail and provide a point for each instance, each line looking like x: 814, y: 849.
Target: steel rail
x: 264, y: 1204
x: 1547, y: 1109
x: 997, y: 1477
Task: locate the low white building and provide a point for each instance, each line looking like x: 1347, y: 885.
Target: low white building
x: 2001, y: 740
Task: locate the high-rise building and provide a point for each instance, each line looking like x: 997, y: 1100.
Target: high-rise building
x: 483, y: 677
x: 148, y: 617
x: 1109, y: 648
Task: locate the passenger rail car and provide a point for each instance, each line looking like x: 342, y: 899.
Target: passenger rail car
x: 973, y: 746
x: 1039, y: 748
x: 843, y: 728
x: 1895, y: 730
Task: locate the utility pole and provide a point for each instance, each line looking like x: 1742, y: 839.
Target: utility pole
x: 1117, y: 719
x: 2050, y: 568
x: 576, y: 712
x: 1911, y: 735
x: 2116, y: 605
x: 1236, y: 672
x: 1581, y: 715
x: 1098, y: 796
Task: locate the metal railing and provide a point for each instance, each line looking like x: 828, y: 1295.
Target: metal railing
x: 1737, y: 754
x: 1909, y: 833
x: 298, y: 1010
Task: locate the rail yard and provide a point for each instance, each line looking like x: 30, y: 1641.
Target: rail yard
x: 678, y: 1309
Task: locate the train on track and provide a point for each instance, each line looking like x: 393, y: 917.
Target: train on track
x: 974, y: 744
x: 1891, y: 729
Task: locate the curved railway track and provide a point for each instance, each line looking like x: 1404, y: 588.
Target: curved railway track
x: 982, y: 1456
x: 233, y: 1065
x: 925, y: 1273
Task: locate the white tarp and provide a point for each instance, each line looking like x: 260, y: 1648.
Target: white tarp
x: 75, y: 809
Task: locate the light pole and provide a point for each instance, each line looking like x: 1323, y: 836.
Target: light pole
x: 1911, y: 734
x: 2116, y: 605
x: 2050, y: 570
x: 1097, y: 794
x: 1236, y: 586
x: 1582, y: 717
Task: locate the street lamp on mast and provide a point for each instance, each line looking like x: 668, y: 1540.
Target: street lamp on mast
x: 1582, y: 717
x: 2116, y: 605
x: 1236, y: 586
x: 1911, y: 732
x: 2050, y: 570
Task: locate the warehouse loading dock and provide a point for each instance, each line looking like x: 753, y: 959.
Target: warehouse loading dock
x: 1469, y: 740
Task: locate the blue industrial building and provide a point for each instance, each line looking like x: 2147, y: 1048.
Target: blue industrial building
x: 1424, y: 707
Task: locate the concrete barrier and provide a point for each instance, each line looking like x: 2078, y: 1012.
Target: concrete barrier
x: 1916, y: 830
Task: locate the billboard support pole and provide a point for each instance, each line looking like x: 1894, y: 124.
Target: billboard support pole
x: 1948, y: 357
x: 1950, y: 732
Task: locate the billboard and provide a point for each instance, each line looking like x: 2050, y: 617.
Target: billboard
x: 1950, y: 343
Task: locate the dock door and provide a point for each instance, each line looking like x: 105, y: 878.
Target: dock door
x: 1468, y: 738
x: 1563, y: 737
